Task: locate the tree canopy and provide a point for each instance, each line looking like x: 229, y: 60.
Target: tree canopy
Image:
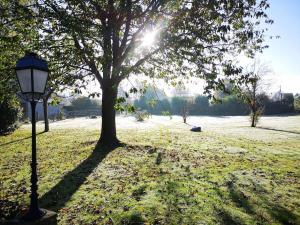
x: 109, y: 40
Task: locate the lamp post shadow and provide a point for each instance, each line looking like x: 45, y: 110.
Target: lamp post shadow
x: 60, y: 194
x: 20, y: 140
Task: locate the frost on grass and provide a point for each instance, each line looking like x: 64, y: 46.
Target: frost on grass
x: 220, y: 176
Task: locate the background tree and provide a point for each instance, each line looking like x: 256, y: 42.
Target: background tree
x: 181, y: 106
x: 200, y: 106
x: 83, y: 106
x: 229, y: 105
x: 84, y: 103
x: 45, y: 99
x: 9, y: 114
x: 60, y: 79
x: 20, y: 33
x: 110, y: 40
x: 153, y: 100
x: 297, y: 103
x: 252, y: 87
x: 16, y: 33
x: 278, y: 104
x: 182, y: 101
x: 288, y: 100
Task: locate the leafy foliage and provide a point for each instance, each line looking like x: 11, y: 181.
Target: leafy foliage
x: 103, y: 40
x: 167, y: 113
x: 297, y: 102
x: 82, y: 106
x: 122, y: 106
x: 141, y: 115
x: 83, y: 103
x: 17, y: 35
x: 10, y: 112
x: 251, y: 89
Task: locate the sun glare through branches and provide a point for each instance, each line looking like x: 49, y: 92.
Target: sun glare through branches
x: 149, y: 38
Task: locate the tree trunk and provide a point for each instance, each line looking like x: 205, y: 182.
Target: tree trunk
x: 252, y: 121
x: 253, y: 117
x: 108, y: 130
x: 46, y: 119
x: 184, y: 114
x: 184, y: 118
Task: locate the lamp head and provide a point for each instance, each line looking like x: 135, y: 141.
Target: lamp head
x: 32, y: 74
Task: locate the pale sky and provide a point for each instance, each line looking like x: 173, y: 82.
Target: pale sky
x: 283, y: 53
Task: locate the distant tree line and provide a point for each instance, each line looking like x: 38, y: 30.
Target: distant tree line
x: 228, y: 106
x: 83, y: 106
x: 285, y: 104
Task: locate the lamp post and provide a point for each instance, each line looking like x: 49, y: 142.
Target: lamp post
x: 32, y: 74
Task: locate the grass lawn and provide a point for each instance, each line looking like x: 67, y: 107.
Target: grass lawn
x: 160, y: 175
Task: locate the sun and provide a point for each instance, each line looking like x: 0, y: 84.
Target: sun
x: 149, y: 38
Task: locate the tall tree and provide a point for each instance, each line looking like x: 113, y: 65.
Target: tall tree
x: 182, y: 100
x: 19, y: 33
x: 112, y: 39
x: 251, y: 89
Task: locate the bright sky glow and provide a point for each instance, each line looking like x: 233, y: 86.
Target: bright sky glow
x: 149, y: 38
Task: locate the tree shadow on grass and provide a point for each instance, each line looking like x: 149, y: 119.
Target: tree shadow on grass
x: 61, y: 193
x: 279, y: 130
x: 278, y: 212
x: 227, y: 219
x: 243, y: 202
x: 56, y: 198
x: 175, y: 201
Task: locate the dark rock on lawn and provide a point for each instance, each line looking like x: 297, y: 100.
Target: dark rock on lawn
x: 196, y: 129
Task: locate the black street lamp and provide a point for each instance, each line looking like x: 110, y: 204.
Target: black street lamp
x: 32, y: 74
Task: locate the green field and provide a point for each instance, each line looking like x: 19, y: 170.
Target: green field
x: 160, y: 175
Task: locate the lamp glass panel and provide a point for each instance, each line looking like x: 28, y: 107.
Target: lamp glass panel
x: 40, y: 79
x: 24, y: 77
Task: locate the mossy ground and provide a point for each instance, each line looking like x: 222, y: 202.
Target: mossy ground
x: 158, y: 176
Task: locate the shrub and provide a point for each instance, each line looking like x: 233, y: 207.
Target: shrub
x: 26, y: 120
x: 60, y: 116
x: 141, y: 115
x: 166, y: 113
x: 254, y: 117
x: 10, y: 112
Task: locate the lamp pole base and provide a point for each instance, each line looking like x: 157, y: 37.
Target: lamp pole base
x: 47, y: 218
x: 34, y: 214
